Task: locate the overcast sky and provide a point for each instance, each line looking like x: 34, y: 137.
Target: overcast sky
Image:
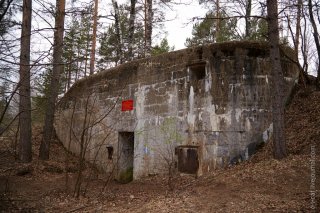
x: 180, y: 28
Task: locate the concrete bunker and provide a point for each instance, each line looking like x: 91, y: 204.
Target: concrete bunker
x: 217, y: 98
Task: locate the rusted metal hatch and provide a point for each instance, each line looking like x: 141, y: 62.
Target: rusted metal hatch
x: 188, y: 159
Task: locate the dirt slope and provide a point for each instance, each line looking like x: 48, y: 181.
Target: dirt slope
x: 261, y: 184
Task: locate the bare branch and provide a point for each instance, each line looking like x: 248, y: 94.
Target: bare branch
x: 229, y: 17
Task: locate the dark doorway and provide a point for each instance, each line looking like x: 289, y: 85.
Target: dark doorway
x: 188, y: 159
x: 197, y: 71
x: 126, y: 151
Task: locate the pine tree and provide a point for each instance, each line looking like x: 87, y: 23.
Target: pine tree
x: 205, y: 31
x: 148, y: 22
x: 55, y: 81
x: 25, y: 153
x: 69, y: 57
x: 162, y: 48
x: 94, y: 37
x: 109, y: 41
x: 131, y: 32
x: 77, y: 46
x: 277, y: 81
x: 316, y: 38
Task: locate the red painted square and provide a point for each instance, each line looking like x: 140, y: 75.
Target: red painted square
x: 127, y: 105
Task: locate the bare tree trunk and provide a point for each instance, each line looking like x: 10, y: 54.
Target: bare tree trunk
x: 277, y: 80
x: 118, y: 31
x: 131, y: 28
x: 316, y: 39
x: 16, y: 140
x: 69, y: 73
x: 247, y: 18
x: 216, y: 36
x: 94, y: 37
x: 78, y: 66
x: 55, y: 81
x: 298, y: 29
x: 85, y: 60
x: 148, y: 27
x: 304, y: 48
x: 25, y: 153
x: 296, y: 41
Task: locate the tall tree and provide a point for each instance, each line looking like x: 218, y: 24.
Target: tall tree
x: 298, y: 29
x: 109, y: 40
x: 85, y: 35
x: 131, y: 28
x: 304, y: 44
x: 218, y: 21
x: 77, y: 44
x: 69, y: 57
x: 94, y: 37
x: 244, y: 8
x: 279, y: 142
x: 204, y: 31
x: 54, y: 84
x: 296, y: 36
x: 253, y: 26
x: 148, y: 20
x: 25, y: 153
x: 247, y: 18
x: 117, y: 30
x: 316, y: 38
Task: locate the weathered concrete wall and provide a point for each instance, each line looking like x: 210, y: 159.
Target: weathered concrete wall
x: 215, y: 98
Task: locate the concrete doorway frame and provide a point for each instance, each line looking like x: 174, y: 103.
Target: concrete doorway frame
x: 125, y: 156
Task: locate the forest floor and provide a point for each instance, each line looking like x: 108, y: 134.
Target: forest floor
x: 261, y: 184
